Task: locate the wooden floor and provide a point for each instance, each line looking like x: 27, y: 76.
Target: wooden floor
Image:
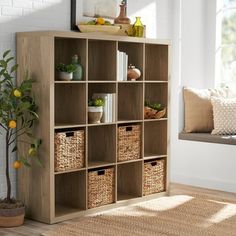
x: 33, y: 228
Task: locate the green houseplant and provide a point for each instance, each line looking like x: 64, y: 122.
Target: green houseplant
x: 65, y: 72
x: 18, y: 113
x: 95, y: 110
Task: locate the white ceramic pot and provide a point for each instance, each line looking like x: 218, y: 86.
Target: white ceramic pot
x: 65, y: 76
x: 95, y: 114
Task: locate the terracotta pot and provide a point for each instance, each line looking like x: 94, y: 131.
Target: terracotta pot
x: 12, y: 217
x: 122, y: 18
x: 95, y: 114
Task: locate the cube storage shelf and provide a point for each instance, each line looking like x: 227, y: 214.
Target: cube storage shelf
x: 52, y: 196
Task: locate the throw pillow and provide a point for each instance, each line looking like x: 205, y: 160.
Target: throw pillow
x: 198, y: 108
x: 224, y: 115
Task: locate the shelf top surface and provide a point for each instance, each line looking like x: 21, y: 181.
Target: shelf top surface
x: 94, y: 36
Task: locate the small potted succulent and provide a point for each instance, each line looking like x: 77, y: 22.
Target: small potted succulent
x: 153, y: 110
x: 95, y: 110
x: 18, y: 114
x: 65, y: 72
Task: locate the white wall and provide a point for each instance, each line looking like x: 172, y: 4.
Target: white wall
x: 31, y: 15
x: 195, y: 163
x: 27, y: 15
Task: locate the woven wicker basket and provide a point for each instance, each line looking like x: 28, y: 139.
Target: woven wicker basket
x: 101, y: 185
x: 69, y: 150
x: 129, y: 142
x: 154, y: 177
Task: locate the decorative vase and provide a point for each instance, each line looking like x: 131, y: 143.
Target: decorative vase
x: 95, y: 114
x: 133, y: 73
x: 65, y: 75
x: 12, y: 217
x: 122, y: 18
x: 138, y: 28
x: 78, y: 74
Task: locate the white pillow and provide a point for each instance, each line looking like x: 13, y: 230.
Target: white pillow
x: 224, y: 115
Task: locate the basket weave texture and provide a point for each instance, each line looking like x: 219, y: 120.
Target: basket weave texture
x: 101, y: 185
x: 154, y: 177
x: 129, y: 142
x: 69, y: 150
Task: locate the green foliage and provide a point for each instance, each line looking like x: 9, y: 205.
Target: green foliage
x: 155, y: 106
x: 17, y: 105
x: 66, y: 68
x: 98, y: 102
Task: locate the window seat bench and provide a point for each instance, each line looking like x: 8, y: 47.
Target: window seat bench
x: 207, y: 137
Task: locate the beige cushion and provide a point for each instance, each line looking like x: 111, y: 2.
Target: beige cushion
x: 224, y: 113
x: 198, y: 108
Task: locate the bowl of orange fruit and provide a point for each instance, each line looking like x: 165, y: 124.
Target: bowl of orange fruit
x: 98, y: 25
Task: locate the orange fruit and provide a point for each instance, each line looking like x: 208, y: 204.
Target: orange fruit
x: 12, y: 124
x: 100, y: 21
x: 17, y: 165
x: 17, y: 93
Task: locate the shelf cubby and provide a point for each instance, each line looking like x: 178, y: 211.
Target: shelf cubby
x: 156, y: 62
x: 65, y: 48
x: 157, y: 93
x: 70, y: 104
x: 129, y: 179
x: 101, y: 60
x: 101, y: 145
x: 130, y: 101
x: 70, y: 193
x: 101, y: 88
x: 135, y: 54
x: 155, y: 139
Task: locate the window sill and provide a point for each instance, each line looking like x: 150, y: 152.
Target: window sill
x: 207, y: 137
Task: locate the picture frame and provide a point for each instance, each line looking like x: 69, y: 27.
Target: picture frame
x: 78, y: 8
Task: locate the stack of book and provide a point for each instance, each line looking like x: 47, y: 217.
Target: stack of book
x: 122, y: 66
x: 109, y: 108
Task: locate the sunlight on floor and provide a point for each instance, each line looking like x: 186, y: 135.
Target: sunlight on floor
x: 151, y: 209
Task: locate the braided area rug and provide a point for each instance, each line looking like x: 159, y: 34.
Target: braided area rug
x: 181, y: 215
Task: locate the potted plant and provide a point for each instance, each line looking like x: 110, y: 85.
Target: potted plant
x: 95, y: 110
x: 153, y: 110
x: 18, y: 113
x: 65, y: 72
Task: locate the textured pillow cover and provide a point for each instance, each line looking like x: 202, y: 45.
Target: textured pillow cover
x: 198, y: 108
x: 224, y: 115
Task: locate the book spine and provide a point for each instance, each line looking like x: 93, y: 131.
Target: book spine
x: 125, y: 66
x: 120, y: 66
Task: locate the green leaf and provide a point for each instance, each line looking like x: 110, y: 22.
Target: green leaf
x: 9, y: 59
x: 14, y: 149
x: 24, y: 161
x: 3, y: 64
x: 6, y: 53
x: 14, y: 68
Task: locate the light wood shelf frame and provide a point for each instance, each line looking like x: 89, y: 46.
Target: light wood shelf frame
x: 38, y: 52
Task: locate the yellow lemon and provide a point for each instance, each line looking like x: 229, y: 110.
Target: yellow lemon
x: 100, y: 21
x: 17, y: 165
x: 17, y: 93
x: 12, y: 124
x: 32, y: 151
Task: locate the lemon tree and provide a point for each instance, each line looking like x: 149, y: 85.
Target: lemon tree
x: 18, y: 114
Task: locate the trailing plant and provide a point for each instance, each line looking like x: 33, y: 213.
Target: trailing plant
x: 97, y: 102
x: 70, y: 68
x: 18, y: 114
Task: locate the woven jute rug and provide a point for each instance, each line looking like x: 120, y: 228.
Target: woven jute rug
x: 167, y: 216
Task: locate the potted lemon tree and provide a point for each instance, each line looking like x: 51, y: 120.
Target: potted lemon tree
x: 18, y: 113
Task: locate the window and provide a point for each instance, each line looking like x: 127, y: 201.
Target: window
x: 226, y: 66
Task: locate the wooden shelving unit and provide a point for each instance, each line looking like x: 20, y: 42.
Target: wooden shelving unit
x: 56, y: 196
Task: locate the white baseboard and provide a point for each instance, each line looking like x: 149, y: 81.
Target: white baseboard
x: 205, y: 183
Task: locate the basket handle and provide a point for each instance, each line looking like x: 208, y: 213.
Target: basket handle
x: 70, y: 134
x: 101, y: 172
x: 129, y: 128
x: 154, y: 163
